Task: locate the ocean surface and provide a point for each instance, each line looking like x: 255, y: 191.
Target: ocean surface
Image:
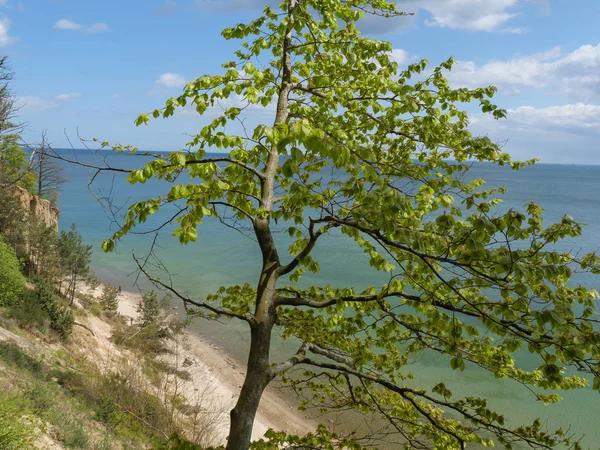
x: 222, y: 256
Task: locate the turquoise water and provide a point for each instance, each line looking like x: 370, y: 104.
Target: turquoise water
x: 222, y: 256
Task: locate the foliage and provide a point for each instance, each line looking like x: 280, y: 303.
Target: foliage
x: 118, y: 399
x: 28, y: 312
x: 110, y: 298
x: 321, y: 439
x: 69, y: 400
x: 8, y: 108
x: 48, y: 171
x: 13, y: 218
x: 377, y: 154
x: 149, y: 308
x: 61, y: 321
x: 150, y: 340
x: 14, y: 164
x: 61, y: 317
x: 75, y: 258
x: 12, y: 282
x: 72, y: 434
x: 13, y: 355
x: 42, y: 255
x: 149, y: 337
x: 16, y: 431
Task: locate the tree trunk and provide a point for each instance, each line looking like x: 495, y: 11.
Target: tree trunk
x: 74, y: 285
x: 257, y: 379
x: 258, y: 370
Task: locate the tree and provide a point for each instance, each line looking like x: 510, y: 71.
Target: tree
x: 12, y: 282
x: 148, y: 308
x: 61, y: 317
x: 110, y: 298
x: 8, y: 109
x: 48, y: 170
x: 14, y: 166
x: 42, y: 256
x: 466, y: 281
x: 13, y: 218
x: 75, y: 259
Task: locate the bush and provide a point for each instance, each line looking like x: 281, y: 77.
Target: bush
x: 110, y: 298
x: 148, y: 308
x: 108, y: 412
x: 61, y: 317
x: 12, y: 282
x: 61, y: 321
x: 29, y: 313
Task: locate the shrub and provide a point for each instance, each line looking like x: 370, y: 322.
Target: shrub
x: 61, y: 321
x: 12, y: 282
x: 108, y: 412
x: 148, y: 308
x: 110, y: 298
x: 61, y: 317
x: 29, y: 313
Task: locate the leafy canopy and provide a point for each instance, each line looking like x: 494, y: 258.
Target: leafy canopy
x: 75, y: 258
x: 378, y: 153
x: 12, y: 282
x: 14, y: 166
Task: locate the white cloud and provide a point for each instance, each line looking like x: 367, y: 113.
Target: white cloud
x: 476, y: 15
x: 97, y: 28
x: 400, y: 56
x: 68, y: 96
x: 531, y: 70
x: 67, y: 24
x: 5, y: 38
x: 575, y: 118
x: 171, y: 80
x: 30, y: 103
x: 579, y: 119
x: 575, y: 74
x: 561, y: 134
x: 515, y: 30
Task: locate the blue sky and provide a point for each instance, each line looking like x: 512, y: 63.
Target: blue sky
x: 91, y: 67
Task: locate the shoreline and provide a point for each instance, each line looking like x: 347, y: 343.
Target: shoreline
x: 218, y: 376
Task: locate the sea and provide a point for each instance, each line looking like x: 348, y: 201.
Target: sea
x: 223, y: 256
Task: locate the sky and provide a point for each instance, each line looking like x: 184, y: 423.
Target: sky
x: 87, y: 68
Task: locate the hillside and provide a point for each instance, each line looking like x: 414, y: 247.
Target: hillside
x: 114, y: 384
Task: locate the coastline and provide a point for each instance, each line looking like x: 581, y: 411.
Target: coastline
x: 218, y: 377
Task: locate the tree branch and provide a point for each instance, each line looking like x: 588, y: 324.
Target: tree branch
x: 186, y: 300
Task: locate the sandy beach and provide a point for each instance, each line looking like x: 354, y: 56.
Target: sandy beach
x: 217, y: 377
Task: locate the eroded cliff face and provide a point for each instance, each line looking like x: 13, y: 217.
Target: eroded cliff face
x: 40, y: 207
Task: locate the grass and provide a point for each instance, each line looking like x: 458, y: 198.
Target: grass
x: 71, y: 400
x: 76, y: 405
x: 12, y: 355
x: 16, y: 430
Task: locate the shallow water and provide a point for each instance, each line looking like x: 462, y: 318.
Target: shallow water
x: 222, y: 256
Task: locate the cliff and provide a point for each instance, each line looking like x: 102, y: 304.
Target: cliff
x: 40, y: 207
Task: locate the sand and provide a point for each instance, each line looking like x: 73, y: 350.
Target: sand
x: 217, y: 377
